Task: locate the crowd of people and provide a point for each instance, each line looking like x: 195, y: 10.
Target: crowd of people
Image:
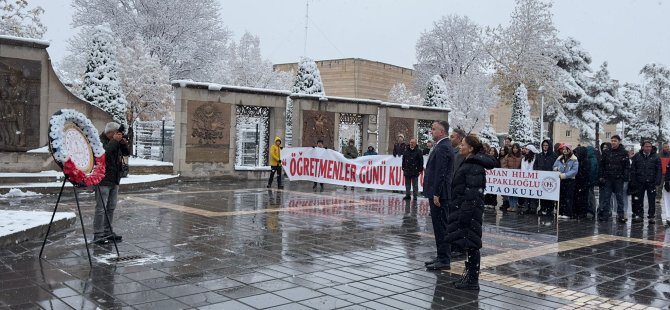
x: 615, y: 171
x: 455, y: 180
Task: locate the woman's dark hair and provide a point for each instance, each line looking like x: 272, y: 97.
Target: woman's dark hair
x: 495, y: 150
x: 475, y: 143
x: 504, y: 151
x: 605, y: 144
x: 518, y: 147
x: 529, y: 156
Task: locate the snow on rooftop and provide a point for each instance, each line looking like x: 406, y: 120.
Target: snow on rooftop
x: 13, y: 221
x: 27, y: 40
x: 220, y: 87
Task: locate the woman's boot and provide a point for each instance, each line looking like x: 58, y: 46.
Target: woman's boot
x: 471, y: 280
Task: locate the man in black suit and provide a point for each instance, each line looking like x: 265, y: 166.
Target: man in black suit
x: 437, y: 188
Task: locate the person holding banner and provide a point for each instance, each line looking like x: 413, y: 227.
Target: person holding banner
x: 464, y: 228
x: 512, y: 161
x: 544, y: 161
x: 275, y: 163
x: 645, y: 175
x: 528, y: 164
x: 412, y: 166
x: 350, y: 152
x: 666, y: 196
x: 437, y: 188
x: 568, y: 166
x: 319, y: 144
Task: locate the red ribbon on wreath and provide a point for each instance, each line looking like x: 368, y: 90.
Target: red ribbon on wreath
x: 79, y: 178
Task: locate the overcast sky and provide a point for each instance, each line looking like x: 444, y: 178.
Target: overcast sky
x: 626, y: 33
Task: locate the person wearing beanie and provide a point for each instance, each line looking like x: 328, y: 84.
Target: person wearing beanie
x: 544, y: 161
x: 275, y: 163
x: 115, y: 148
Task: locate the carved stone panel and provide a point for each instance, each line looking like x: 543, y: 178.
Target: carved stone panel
x: 19, y: 104
x: 399, y: 125
x: 208, y: 131
x: 318, y: 125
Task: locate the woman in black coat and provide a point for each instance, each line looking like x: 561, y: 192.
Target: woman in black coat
x: 464, y: 228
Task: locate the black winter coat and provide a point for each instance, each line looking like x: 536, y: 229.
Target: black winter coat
x: 399, y: 149
x: 614, y: 164
x: 545, y: 161
x: 113, y: 160
x: 412, y: 162
x: 464, y: 228
x: 646, y: 169
x: 582, y: 178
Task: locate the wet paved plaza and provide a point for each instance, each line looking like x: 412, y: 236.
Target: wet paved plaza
x: 238, y: 245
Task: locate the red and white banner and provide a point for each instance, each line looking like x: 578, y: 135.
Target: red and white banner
x: 328, y: 166
x: 530, y: 184
x: 385, y: 172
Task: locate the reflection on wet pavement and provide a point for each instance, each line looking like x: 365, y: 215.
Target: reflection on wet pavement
x: 237, y: 245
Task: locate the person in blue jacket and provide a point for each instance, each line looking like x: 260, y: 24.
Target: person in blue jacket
x: 568, y: 166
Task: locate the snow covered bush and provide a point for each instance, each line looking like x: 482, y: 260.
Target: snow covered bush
x: 436, y: 93
x: 489, y: 136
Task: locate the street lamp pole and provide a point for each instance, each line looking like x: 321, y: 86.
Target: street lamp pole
x: 541, y: 91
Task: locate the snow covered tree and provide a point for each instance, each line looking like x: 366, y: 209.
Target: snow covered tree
x: 574, y: 63
x: 471, y: 98
x: 400, y: 94
x: 307, y: 81
x: 436, y: 93
x: 453, y: 47
x: 522, y: 52
x: 187, y: 36
x: 102, y: 85
x: 642, y: 126
x: 521, y: 125
x: 599, y: 105
x: 656, y: 96
x: 244, y: 66
x: 308, y: 78
x: 489, y: 136
x: 19, y: 21
x: 145, y: 83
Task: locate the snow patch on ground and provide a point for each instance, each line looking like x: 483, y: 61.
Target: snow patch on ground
x: 146, y: 259
x: 12, y: 221
x: 44, y: 149
x: 15, y: 192
x: 131, y: 179
x: 136, y: 161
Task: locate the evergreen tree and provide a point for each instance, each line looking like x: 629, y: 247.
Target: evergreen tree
x: 102, y: 85
x: 600, y: 105
x: 488, y: 135
x: 642, y: 126
x: 521, y: 125
x: 307, y: 81
x: 436, y: 93
x: 574, y: 63
x: 308, y: 78
x: 656, y: 96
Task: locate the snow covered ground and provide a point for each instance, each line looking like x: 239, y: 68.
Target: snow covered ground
x: 131, y: 179
x: 12, y: 221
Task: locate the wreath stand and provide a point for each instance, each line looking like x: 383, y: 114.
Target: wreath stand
x: 76, y: 148
x: 81, y: 219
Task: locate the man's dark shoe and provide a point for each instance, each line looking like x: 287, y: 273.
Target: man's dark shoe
x: 652, y: 221
x: 269, y: 186
x: 667, y: 222
x: 438, y: 266
x: 407, y: 197
x: 430, y: 262
x: 415, y: 197
x: 280, y: 187
x: 100, y: 240
x: 114, y: 237
x: 603, y: 218
x: 637, y: 219
x: 621, y: 219
x: 470, y: 282
x: 456, y: 254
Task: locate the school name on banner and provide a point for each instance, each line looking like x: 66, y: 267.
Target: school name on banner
x: 328, y: 166
x: 530, y: 184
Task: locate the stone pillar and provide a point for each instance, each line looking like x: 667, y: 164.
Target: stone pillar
x: 382, y: 130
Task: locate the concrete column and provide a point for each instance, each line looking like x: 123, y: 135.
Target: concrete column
x: 382, y: 129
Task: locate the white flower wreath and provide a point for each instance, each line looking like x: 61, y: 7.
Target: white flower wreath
x: 56, y: 126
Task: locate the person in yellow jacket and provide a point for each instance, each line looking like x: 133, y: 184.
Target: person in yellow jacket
x: 275, y: 163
